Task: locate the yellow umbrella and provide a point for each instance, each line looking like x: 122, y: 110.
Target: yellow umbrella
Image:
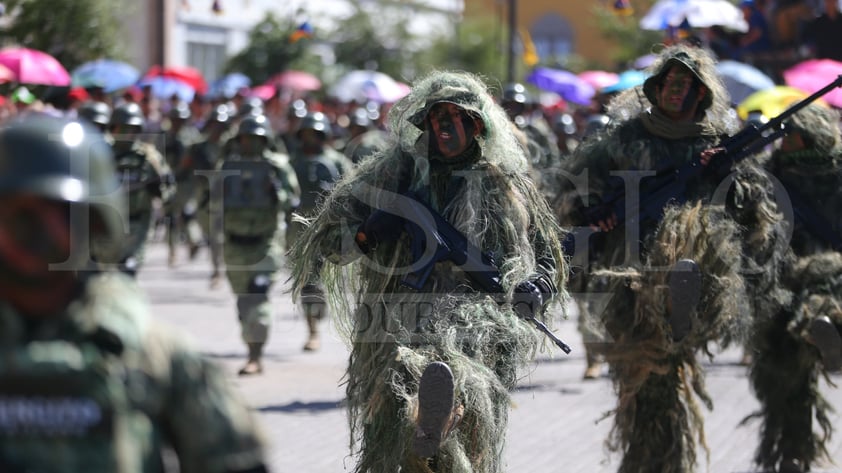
x: 771, y: 102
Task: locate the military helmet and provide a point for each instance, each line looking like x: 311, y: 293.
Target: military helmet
x: 61, y: 159
x: 255, y: 125
x: 96, y: 112
x: 220, y: 114
x: 250, y: 106
x: 317, y: 121
x: 128, y: 114
x: 564, y: 123
x: 596, y: 123
x: 360, y: 117
x: 517, y: 93
x: 181, y: 111
x: 677, y: 57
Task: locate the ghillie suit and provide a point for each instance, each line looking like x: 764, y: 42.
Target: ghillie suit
x: 396, y: 332
x: 787, y: 367
x: 657, y: 419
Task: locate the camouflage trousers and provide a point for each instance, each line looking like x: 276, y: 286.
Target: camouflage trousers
x: 251, y: 269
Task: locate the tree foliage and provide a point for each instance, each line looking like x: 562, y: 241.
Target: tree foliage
x: 270, y: 49
x: 629, y: 39
x: 73, y: 32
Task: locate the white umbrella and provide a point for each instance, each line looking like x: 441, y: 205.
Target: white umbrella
x: 697, y: 13
x: 364, y: 86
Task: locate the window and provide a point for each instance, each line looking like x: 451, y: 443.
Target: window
x: 553, y: 38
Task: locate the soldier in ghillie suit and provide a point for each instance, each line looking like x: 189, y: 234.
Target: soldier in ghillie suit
x: 800, y: 342
x: 673, y: 285
x: 431, y: 367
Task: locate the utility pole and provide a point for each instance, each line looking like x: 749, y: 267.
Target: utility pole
x: 510, y: 66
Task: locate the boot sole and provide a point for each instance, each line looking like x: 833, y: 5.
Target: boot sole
x: 824, y: 336
x: 435, y: 406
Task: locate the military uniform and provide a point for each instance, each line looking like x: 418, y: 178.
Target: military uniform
x: 181, y: 208
x: 318, y: 168
x: 144, y: 176
x: 671, y: 285
x: 88, y: 379
x: 206, y: 159
x: 259, y: 189
x: 794, y: 344
x: 103, y: 387
x: 431, y: 367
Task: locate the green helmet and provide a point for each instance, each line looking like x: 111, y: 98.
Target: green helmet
x: 63, y: 160
x: 128, y: 114
x: 317, y: 121
x: 96, y: 112
x: 181, y: 111
x: 517, y: 93
x: 255, y: 125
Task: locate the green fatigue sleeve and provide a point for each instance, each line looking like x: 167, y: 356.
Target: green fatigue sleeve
x: 211, y: 427
x: 163, y: 184
x: 285, y: 182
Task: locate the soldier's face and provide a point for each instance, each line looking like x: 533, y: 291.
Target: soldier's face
x: 34, y: 233
x: 452, y: 130
x: 680, y: 94
x: 251, y: 145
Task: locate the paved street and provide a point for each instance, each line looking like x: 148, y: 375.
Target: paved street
x: 554, y: 421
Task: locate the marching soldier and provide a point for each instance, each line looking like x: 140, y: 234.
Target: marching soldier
x: 145, y: 177
x: 259, y: 190
x: 89, y: 381
x: 318, y: 166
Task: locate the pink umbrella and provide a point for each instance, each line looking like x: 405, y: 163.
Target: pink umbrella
x: 31, y: 66
x: 6, y: 74
x: 295, y: 80
x: 599, y: 79
x: 263, y: 92
x: 814, y: 74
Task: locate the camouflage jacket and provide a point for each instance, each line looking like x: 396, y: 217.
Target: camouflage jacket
x: 103, y: 387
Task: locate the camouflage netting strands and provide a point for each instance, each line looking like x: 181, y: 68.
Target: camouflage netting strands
x: 395, y: 332
x: 787, y: 368
x: 657, y: 419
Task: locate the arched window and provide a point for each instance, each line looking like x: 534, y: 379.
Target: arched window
x: 553, y: 38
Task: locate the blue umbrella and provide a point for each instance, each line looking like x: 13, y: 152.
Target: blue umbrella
x: 628, y: 79
x: 742, y: 79
x: 566, y: 84
x: 228, y: 85
x: 109, y: 74
x: 166, y: 87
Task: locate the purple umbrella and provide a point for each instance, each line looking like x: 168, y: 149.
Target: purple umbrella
x: 566, y: 84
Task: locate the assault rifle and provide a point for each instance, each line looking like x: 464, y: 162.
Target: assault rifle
x: 670, y: 185
x: 434, y: 239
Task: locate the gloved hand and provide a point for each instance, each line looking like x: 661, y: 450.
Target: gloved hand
x: 379, y: 227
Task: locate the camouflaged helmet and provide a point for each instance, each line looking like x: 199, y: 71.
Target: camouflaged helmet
x: 448, y: 92
x: 317, y: 121
x: 64, y: 160
x: 96, y: 112
x: 683, y: 55
x: 819, y: 127
x: 128, y: 114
